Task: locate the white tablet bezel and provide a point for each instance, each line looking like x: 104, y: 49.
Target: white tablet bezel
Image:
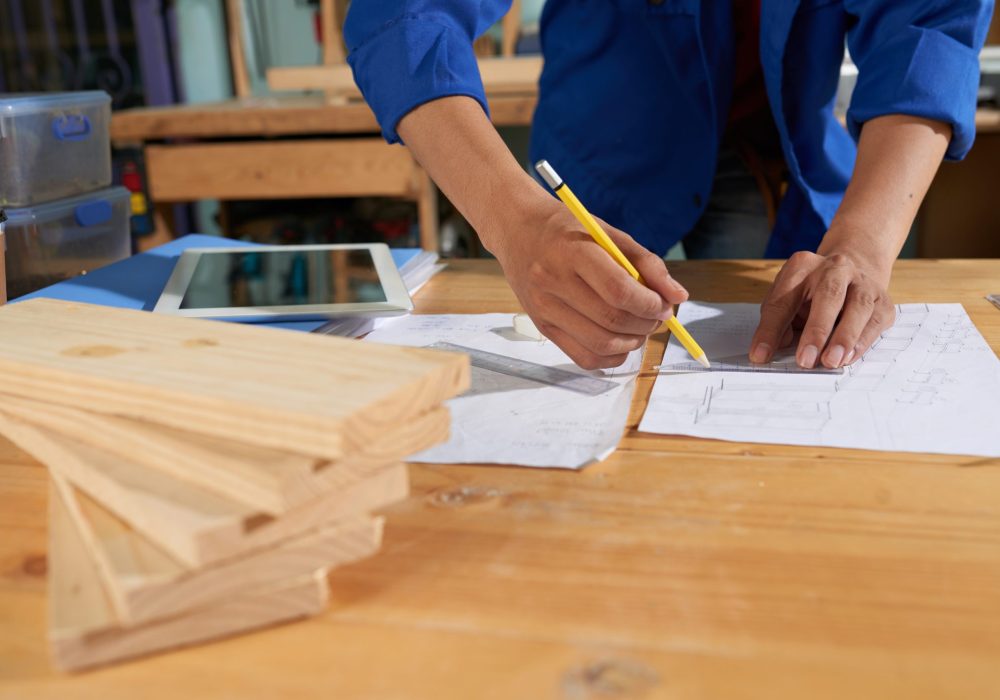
x: 397, y: 298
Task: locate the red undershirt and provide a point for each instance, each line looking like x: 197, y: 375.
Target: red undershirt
x: 750, y: 128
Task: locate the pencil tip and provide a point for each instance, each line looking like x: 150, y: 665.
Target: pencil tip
x: 704, y: 362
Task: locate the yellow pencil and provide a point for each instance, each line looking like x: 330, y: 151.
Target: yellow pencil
x: 564, y: 193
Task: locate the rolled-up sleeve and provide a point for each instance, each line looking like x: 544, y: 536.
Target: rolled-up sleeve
x: 919, y: 58
x: 407, y: 52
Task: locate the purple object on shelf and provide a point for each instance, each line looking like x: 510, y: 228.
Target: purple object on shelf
x: 149, y: 20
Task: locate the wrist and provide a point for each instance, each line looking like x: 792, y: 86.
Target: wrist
x: 518, y: 205
x: 869, y: 254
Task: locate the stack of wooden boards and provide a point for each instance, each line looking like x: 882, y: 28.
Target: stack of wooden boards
x: 206, y: 476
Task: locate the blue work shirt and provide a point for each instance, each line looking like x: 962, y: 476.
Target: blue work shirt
x: 635, y: 94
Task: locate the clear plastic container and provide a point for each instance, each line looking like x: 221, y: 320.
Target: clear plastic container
x: 53, y: 145
x: 52, y: 242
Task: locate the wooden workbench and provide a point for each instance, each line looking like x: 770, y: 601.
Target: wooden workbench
x: 678, y: 568
x: 281, y: 148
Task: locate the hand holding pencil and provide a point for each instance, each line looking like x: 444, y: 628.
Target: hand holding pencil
x: 601, y: 237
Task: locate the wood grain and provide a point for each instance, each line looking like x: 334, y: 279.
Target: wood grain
x: 279, y: 170
x: 220, y: 379
x: 283, y: 115
x: 195, y: 526
x: 263, y: 480
x: 516, y: 75
x: 678, y: 568
x: 144, y: 584
x: 83, y: 628
x: 333, y: 42
x: 237, y: 48
x: 3, y: 269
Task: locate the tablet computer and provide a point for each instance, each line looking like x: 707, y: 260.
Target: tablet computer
x: 285, y: 283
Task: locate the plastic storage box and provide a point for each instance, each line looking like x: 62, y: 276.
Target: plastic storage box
x: 53, y: 145
x: 52, y: 242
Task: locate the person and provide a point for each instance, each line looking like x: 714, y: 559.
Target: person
x: 659, y: 112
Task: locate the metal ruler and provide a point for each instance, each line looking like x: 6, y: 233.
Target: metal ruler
x: 542, y: 374
x: 770, y: 368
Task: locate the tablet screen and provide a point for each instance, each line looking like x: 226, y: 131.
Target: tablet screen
x: 242, y: 278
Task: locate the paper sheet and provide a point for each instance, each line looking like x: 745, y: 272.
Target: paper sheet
x: 931, y: 383
x: 508, y: 420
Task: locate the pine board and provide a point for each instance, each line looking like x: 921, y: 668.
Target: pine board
x: 266, y: 481
x: 195, y: 526
x: 297, y: 392
x: 145, y: 584
x: 83, y: 629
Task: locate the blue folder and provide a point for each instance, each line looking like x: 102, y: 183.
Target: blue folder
x: 137, y: 282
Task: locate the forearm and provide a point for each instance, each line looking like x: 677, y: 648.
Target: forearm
x: 455, y: 142
x: 898, y: 156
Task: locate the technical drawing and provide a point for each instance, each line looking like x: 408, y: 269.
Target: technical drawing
x: 789, y: 407
x: 933, y: 377
x: 930, y: 375
x: 920, y: 396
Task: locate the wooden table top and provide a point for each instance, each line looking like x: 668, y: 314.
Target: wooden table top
x: 679, y: 568
x: 277, y: 116
x: 290, y: 115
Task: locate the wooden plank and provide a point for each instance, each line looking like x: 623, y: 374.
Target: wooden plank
x: 237, y: 49
x: 221, y: 379
x: 279, y: 170
x: 268, y: 481
x: 427, y: 212
x: 333, y: 43
x: 3, y: 269
x: 83, y: 629
x: 144, y: 584
x: 284, y: 115
x: 501, y: 76
x: 193, y: 525
x: 511, y: 26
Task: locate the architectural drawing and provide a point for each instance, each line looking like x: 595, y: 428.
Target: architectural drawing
x: 931, y: 375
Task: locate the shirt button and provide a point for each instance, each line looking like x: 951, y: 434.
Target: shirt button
x: 697, y: 200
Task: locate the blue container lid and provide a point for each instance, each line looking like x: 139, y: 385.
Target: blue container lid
x: 14, y: 103
x: 86, y: 209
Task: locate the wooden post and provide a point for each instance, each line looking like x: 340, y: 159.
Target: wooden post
x: 163, y: 228
x: 427, y: 210
x: 3, y: 264
x: 333, y: 48
x: 511, y: 27
x: 234, y: 20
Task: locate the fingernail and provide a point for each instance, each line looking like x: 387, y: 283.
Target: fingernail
x: 834, y: 356
x: 850, y: 356
x: 761, y: 353
x: 807, y: 358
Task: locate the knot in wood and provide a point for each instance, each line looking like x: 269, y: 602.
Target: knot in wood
x: 609, y: 678
x: 36, y: 565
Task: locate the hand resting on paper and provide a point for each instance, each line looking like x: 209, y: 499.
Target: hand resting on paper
x: 841, y: 306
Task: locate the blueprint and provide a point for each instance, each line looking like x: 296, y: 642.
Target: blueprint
x: 506, y: 419
x: 931, y: 383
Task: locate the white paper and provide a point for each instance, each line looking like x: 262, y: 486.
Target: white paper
x: 931, y: 383
x: 509, y: 420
